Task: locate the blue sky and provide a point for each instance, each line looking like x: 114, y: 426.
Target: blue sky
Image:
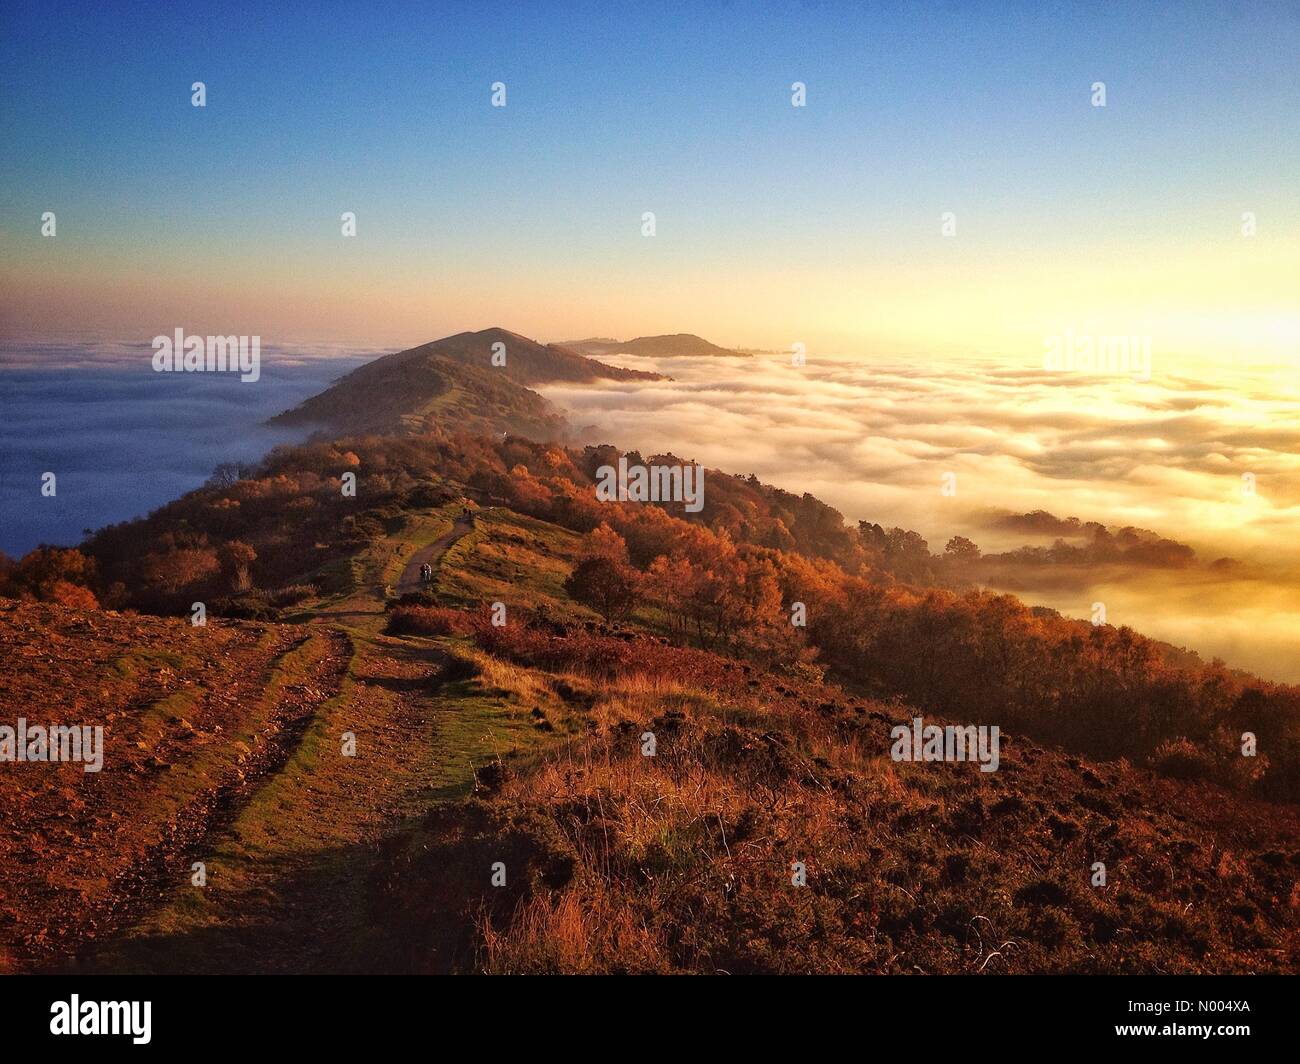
x: 615, y: 109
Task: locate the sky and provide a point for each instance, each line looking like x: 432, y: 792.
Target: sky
x: 774, y: 224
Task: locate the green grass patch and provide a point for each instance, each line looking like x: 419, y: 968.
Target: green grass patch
x: 128, y: 666
x: 513, y: 559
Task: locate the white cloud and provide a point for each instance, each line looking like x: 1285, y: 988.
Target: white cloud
x: 873, y: 440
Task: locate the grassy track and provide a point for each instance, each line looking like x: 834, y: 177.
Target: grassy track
x: 288, y: 876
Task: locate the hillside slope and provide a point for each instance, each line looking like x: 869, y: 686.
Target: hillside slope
x: 525, y: 744
x: 452, y: 384
x: 527, y: 361
x: 501, y: 717
x: 685, y: 860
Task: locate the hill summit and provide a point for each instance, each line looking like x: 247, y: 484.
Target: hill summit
x: 675, y: 345
x: 472, y: 381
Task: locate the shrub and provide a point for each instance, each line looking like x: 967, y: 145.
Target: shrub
x: 1181, y: 759
x: 428, y: 620
x: 252, y: 606
x: 415, y: 598
x: 292, y: 594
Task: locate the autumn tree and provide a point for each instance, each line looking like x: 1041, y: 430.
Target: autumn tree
x: 228, y: 474
x: 603, y: 542
x: 603, y: 579
x: 236, y: 557
x: 701, y: 585
x: 7, y: 565
x: 54, y: 574
x: 604, y: 586
x: 170, y: 572
x: 961, y: 551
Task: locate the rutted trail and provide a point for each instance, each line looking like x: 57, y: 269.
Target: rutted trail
x: 189, y: 734
x: 288, y: 880
x: 254, y: 774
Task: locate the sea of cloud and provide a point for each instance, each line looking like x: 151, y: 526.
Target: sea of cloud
x: 876, y: 440
x: 873, y: 438
x: 122, y: 439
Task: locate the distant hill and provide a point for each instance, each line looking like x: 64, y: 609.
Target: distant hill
x: 453, y: 383
x: 526, y: 361
x: 678, y: 345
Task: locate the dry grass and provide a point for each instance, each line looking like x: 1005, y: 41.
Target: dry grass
x: 683, y: 861
x: 572, y: 934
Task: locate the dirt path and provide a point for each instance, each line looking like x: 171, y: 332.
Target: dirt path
x: 290, y: 876
x: 410, y: 580
x: 92, y: 857
x: 361, y: 612
x: 288, y: 880
x: 283, y: 760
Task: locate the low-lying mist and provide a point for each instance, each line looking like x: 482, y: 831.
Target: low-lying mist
x: 122, y: 439
x: 1208, y: 460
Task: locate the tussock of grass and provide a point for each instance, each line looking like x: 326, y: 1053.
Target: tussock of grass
x: 570, y: 933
